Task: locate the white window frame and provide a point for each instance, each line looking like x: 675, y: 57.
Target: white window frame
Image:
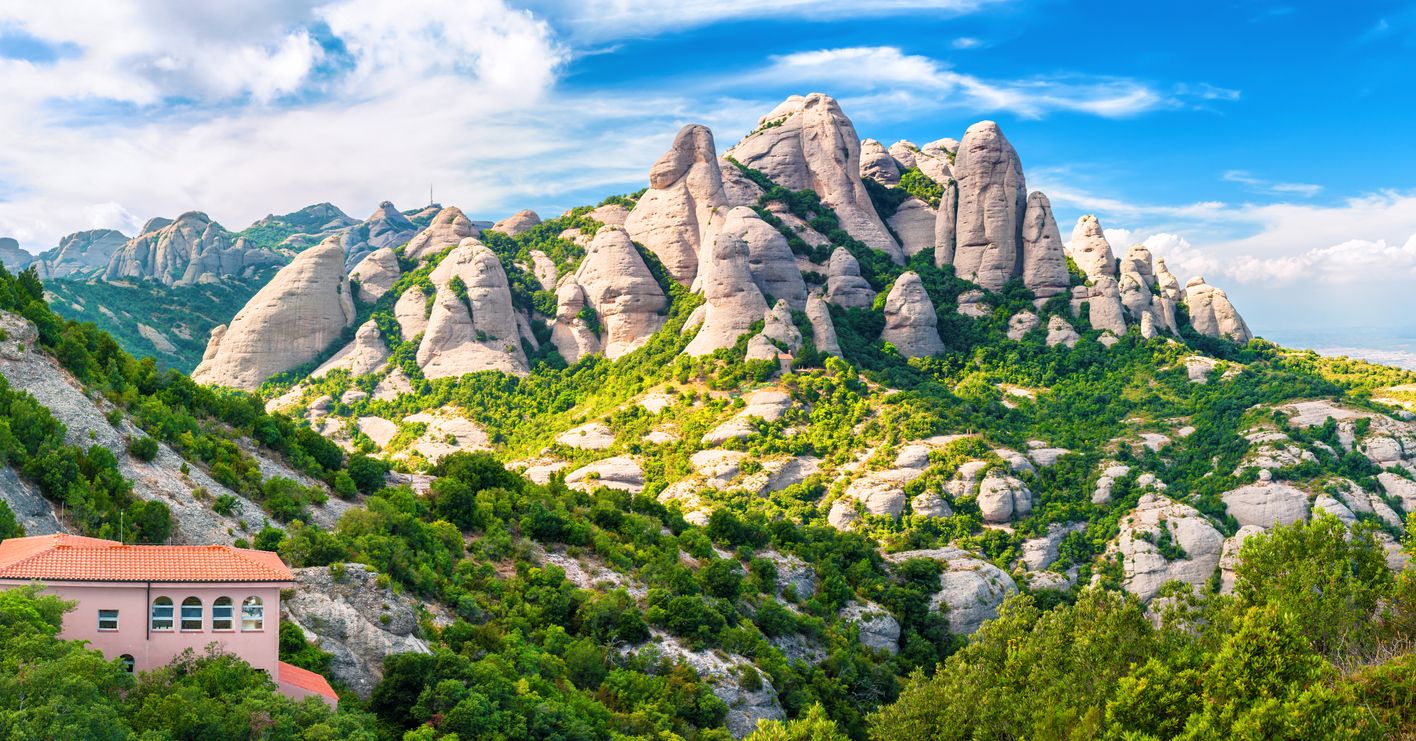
x: 102, y: 629
x: 223, y: 605
x: 252, y: 612
x: 200, y: 618
x: 170, y: 618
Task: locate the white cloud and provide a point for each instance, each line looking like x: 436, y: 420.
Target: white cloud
x: 1260, y: 185
x: 898, y: 80
x: 613, y: 19
x: 966, y: 42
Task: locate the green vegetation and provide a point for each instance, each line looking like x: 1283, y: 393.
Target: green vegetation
x: 921, y: 186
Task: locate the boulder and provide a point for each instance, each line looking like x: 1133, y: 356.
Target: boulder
x: 1166, y: 281
x: 807, y: 143
x: 367, y: 353
x: 1137, y: 260
x: 877, y: 164
x: 1266, y: 504
x: 622, y: 291
x: 844, y: 285
x: 946, y: 224
x: 1002, y: 497
x: 934, y: 160
x: 572, y: 333
x: 779, y: 327
x: 472, y: 326
x: 447, y: 229
x: 914, y: 222
x: 823, y: 330
x: 877, y: 628
x: 289, y: 322
x: 1090, y: 250
x: 1021, y: 323
x: 517, y: 223
x: 903, y: 152
x: 970, y: 588
x: 733, y: 302
x: 1135, y: 294
x: 189, y: 251
x: 910, y: 321
x: 1144, y: 567
x: 1044, y: 256
x: 1229, y: 557
x: 376, y: 274
x: 992, y: 202
x: 544, y: 268
x: 1212, y: 314
x: 737, y: 186
x: 609, y: 214
x: 411, y: 309
x: 1104, y: 299
x: 675, y: 218
x: 621, y: 472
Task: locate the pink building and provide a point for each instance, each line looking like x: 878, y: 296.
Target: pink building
x: 145, y: 604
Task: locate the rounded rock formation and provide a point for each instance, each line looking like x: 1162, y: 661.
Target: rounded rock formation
x: 910, y: 322
x: 621, y: 290
x: 675, y: 218
x: 992, y: 202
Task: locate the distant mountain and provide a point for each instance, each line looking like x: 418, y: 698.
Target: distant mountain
x: 298, y: 229
x: 81, y: 254
x: 188, y: 251
x: 12, y: 257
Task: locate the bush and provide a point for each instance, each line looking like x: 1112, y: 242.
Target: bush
x: 143, y: 448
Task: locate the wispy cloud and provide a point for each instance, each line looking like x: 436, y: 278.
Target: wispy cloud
x: 966, y: 42
x: 613, y: 19
x: 1260, y: 185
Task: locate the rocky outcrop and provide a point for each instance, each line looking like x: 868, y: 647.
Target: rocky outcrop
x: 733, y: 302
x: 1044, y: 256
x: 376, y: 274
x: 191, y: 250
x: 675, y: 218
x: 1059, y: 332
x: 878, y: 629
x: 1266, y: 503
x: 992, y: 202
x: 910, y: 322
x: 913, y: 222
x: 1166, y: 282
x: 877, y: 164
x: 807, y: 143
x: 823, y: 330
x: 365, y: 354
x: 1104, y: 301
x: 1002, y: 497
x: 343, y: 610
x: 572, y: 333
x: 1212, y: 314
x: 448, y: 229
x: 936, y: 159
x: 1145, y: 566
x: 622, y: 291
x: 290, y: 322
x: 517, y: 223
x: 385, y: 227
x: 12, y: 257
x: 80, y: 255
x: 946, y: 225
x: 411, y: 310
x: 770, y: 260
x: 301, y: 229
x: 904, y: 152
x: 1021, y: 323
x: 844, y: 285
x: 472, y: 326
x: 1090, y: 250
x: 1137, y: 261
x: 737, y: 186
x: 970, y: 588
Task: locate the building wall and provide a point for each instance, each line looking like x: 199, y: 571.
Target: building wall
x: 153, y: 649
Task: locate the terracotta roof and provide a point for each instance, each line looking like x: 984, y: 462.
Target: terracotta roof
x: 306, y: 680
x: 76, y: 558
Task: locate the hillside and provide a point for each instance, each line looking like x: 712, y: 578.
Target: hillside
x: 819, y: 432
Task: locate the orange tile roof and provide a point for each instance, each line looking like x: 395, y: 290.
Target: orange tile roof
x: 306, y: 680
x: 76, y: 558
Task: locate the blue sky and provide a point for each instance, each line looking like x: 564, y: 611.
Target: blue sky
x: 1265, y: 145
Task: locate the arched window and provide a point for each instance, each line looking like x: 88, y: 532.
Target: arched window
x: 191, y: 614
x: 222, y: 614
x: 162, y: 613
x: 127, y: 661
x: 252, y: 614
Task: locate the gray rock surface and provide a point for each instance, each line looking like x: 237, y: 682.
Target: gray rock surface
x: 878, y: 628
x: 571, y: 331
x: 412, y: 311
x: 448, y: 229
x: 1090, y: 250
x: 376, y: 274
x: 83, y: 254
x: 877, y: 164
x: 1266, y: 504
x: 970, y: 589
x: 770, y: 260
x: 992, y: 202
x: 474, y: 331
x: 733, y: 302
x: 910, y: 322
x: 946, y: 226
x: 191, y: 250
x: 365, y: 354
x: 624, y: 294
x: 676, y: 218
x: 822, y: 328
x: 1146, y: 570
x: 1044, y: 256
x: 517, y: 223
x: 844, y: 285
x: 914, y: 223
x: 1212, y: 314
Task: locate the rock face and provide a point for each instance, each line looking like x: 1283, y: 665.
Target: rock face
x: 1211, y: 313
x: 1166, y: 281
x: 472, y: 326
x: 844, y: 285
x: 808, y: 143
x: 946, y: 225
x: 376, y: 274
x: 1145, y: 567
x: 572, y: 333
x: 12, y: 257
x: 412, y: 310
x: 773, y: 266
x: 191, y: 250
x: 675, y: 218
x: 1044, y: 256
x: 621, y: 290
x: 970, y: 589
x: 904, y: 152
x: 733, y: 300
x: 1266, y: 504
x: 1002, y: 497
x: 448, y: 229
x: 914, y: 222
x: 1104, y: 299
x: 1090, y: 250
x: 910, y: 321
x: 344, y: 611
x: 517, y: 222
x: 823, y: 329
x: 878, y: 628
x: 992, y: 202
x: 877, y: 164
x: 934, y: 160
x: 385, y: 227
x: 291, y: 321
x: 365, y: 354
x: 80, y: 255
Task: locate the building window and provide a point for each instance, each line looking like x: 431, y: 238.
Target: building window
x: 127, y: 661
x: 191, y: 614
x: 162, y: 613
x: 107, y: 620
x: 252, y: 614
x: 222, y: 614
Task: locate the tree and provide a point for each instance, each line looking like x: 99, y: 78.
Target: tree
x: 143, y: 448
x: 813, y: 725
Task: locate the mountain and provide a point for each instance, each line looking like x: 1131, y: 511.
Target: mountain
x: 12, y: 257
x: 816, y: 432
x: 298, y: 229
x: 188, y: 251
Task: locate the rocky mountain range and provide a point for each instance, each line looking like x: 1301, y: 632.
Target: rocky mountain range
x: 814, y: 411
